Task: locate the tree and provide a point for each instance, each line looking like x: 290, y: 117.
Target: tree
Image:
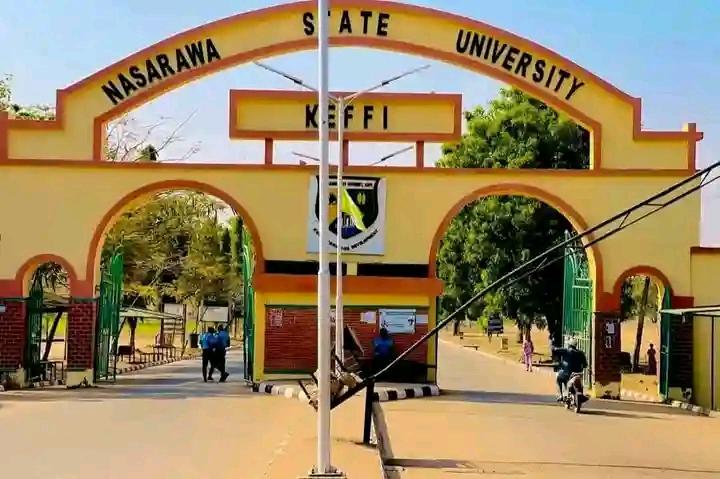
x: 639, y: 299
x: 30, y: 112
x: 174, y: 246
x: 491, y: 236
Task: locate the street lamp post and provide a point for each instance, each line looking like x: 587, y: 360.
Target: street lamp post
x: 324, y: 359
x: 339, y: 320
x: 322, y: 465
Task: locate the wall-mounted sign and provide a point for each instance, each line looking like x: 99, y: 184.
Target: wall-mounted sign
x: 275, y: 316
x: 293, y: 115
x: 368, y: 317
x: 214, y: 314
x: 174, y: 308
x: 363, y: 215
x: 398, y: 321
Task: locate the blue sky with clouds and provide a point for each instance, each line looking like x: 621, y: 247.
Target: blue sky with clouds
x: 665, y: 51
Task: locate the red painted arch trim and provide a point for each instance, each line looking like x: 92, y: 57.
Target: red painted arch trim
x: 109, y: 218
x: 564, y: 208
x: 640, y: 270
x: 23, y: 273
x: 612, y: 301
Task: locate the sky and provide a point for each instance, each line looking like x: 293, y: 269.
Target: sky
x: 665, y: 51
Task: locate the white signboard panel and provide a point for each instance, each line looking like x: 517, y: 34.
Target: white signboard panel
x: 214, y: 314
x: 398, y: 321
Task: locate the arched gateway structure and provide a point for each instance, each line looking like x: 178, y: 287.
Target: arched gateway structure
x: 59, y: 196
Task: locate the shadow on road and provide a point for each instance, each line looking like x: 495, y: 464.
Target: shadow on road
x: 181, y: 380
x: 598, y: 407
x: 474, y: 466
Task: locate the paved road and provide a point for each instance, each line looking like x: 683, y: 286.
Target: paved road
x: 162, y: 422
x: 500, y: 421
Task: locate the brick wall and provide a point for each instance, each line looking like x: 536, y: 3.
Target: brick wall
x: 12, y: 333
x: 291, y: 339
x: 81, y: 334
x: 606, y: 348
x: 680, y: 372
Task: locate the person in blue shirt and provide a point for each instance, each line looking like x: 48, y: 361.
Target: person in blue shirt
x: 223, y: 342
x: 382, y: 349
x: 207, y: 343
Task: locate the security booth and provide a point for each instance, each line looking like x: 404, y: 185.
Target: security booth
x: 702, y: 359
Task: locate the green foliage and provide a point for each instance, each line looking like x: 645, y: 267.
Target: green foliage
x: 27, y: 112
x: 52, y: 276
x: 631, y: 298
x: 174, y: 246
x: 493, y: 235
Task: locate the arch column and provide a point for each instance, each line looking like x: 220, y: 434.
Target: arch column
x: 80, y: 337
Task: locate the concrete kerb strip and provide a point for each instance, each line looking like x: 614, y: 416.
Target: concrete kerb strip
x: 382, y: 438
x: 138, y: 367
x: 638, y: 396
x: 696, y: 410
x: 383, y: 394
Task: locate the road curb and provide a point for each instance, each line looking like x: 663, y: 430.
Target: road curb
x: 637, y: 396
x: 384, y: 395
x: 45, y: 384
x: 695, y: 410
x: 138, y: 367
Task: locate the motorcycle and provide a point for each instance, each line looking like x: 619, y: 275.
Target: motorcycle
x: 575, y: 396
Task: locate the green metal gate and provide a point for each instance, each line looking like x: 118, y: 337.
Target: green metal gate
x: 108, y: 318
x: 33, y: 330
x: 665, y: 322
x: 577, y: 303
x: 249, y: 307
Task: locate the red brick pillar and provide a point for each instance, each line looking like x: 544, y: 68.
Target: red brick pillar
x: 12, y: 333
x: 606, y: 355
x: 81, y: 334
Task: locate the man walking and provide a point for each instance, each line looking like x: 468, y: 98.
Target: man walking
x: 207, y: 343
x: 223, y: 342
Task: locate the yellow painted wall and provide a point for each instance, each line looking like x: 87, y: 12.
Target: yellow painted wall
x: 705, y: 270
x: 56, y: 216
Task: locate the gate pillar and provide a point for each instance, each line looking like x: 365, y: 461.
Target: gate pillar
x: 12, y: 337
x: 606, y: 355
x: 81, y: 341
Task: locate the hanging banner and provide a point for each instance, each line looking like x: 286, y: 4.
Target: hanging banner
x: 363, y: 215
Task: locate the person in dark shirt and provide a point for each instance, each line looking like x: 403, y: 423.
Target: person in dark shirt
x: 651, y: 360
x: 382, y: 349
x: 223, y: 342
x: 571, y: 360
x: 207, y: 343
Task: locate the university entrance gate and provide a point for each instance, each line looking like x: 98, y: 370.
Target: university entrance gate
x: 61, y: 162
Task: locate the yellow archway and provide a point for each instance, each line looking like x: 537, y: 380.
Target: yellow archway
x: 55, y: 166
x: 612, y: 117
